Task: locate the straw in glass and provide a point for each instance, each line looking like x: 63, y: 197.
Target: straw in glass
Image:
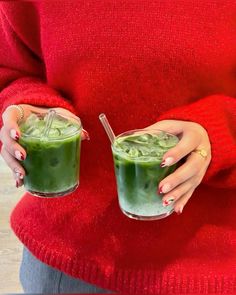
x: 49, y: 120
x: 107, y: 127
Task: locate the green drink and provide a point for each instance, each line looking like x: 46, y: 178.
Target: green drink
x: 137, y: 157
x: 53, y: 154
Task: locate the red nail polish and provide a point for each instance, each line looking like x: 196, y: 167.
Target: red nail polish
x: 17, y: 183
x: 19, y: 175
x: 167, y: 162
x: 165, y: 203
x: 180, y: 210
x: 162, y: 163
x: 17, y: 136
x: 160, y: 190
x: 22, y: 156
x: 14, y: 134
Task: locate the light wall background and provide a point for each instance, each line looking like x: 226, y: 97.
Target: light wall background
x: 10, y: 247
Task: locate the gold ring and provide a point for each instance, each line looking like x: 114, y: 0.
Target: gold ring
x: 20, y: 110
x: 201, y: 152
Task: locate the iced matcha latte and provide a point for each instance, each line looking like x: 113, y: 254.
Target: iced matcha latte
x: 137, y: 156
x: 53, y: 154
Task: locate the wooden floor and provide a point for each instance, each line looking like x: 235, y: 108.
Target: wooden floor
x: 10, y: 247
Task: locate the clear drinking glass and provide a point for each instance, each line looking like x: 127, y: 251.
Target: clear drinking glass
x: 137, y: 157
x: 52, y: 143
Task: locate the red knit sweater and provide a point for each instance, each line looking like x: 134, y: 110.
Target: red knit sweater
x: 138, y: 62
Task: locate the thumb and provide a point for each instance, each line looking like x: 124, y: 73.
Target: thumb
x: 170, y: 126
x: 10, y: 121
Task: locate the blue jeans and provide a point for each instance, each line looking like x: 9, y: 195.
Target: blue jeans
x: 37, y: 277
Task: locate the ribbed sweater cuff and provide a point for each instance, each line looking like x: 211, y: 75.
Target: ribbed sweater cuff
x: 32, y: 91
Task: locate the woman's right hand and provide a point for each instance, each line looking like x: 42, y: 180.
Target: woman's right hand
x: 10, y: 133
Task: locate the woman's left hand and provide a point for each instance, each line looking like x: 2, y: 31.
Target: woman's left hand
x: 178, y: 187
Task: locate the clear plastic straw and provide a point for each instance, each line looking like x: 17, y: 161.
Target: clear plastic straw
x: 49, y: 120
x: 107, y: 127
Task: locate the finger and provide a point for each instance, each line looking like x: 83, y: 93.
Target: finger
x: 10, y: 127
x: 186, y: 145
x: 18, y: 181
x: 168, y: 126
x: 61, y: 111
x: 175, y: 194
x: 13, y: 132
x: 85, y: 135
x: 13, y: 164
x: 65, y: 112
x: 10, y: 117
x: 19, y: 174
x: 12, y: 146
x: 180, y: 204
x: 190, y: 168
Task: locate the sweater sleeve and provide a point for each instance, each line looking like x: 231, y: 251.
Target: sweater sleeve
x: 217, y: 114
x: 22, y: 71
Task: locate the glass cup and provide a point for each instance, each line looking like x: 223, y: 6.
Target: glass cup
x: 137, y: 157
x: 52, y: 143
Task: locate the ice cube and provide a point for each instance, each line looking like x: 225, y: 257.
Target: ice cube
x: 143, y: 151
x: 69, y: 130
x: 32, y: 119
x: 35, y: 132
x: 133, y: 152
x: 54, y: 132
x: 27, y: 129
x: 122, y: 146
x: 168, y: 142
x: 32, y: 125
x: 59, y: 122
x: 153, y: 153
x: 140, y: 139
x: 146, y: 137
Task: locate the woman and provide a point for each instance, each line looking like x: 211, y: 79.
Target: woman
x: 143, y: 63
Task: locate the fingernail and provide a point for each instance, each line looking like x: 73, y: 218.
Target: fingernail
x: 167, y: 162
x: 19, y: 175
x: 168, y: 202
x: 87, y: 137
x: 17, y: 183
x: 19, y: 155
x: 14, y: 134
x: 160, y: 190
x: 165, y: 188
x: 180, y: 210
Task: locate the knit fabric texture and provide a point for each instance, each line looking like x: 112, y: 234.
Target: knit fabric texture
x: 138, y: 62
